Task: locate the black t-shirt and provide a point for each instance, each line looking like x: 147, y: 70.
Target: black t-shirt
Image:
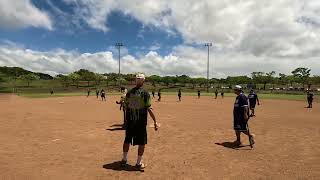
x: 239, y: 105
x: 137, y: 102
x: 253, y: 98
x: 310, y: 95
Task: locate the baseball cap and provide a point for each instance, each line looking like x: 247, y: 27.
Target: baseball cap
x: 237, y: 87
x: 140, y: 76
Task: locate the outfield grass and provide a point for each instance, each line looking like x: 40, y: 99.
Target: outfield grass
x: 261, y: 96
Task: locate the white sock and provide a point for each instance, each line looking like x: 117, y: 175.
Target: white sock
x: 125, y: 156
x: 139, y: 160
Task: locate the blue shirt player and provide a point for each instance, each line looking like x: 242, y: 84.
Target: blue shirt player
x: 241, y: 116
x: 253, y: 99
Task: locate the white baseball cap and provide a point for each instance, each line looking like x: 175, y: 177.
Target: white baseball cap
x: 140, y: 76
x: 237, y: 87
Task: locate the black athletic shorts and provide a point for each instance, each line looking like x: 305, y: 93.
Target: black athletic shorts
x: 240, y: 125
x: 252, y: 105
x: 136, y: 135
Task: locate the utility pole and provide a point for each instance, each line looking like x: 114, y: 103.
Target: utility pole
x: 208, y: 45
x: 119, y: 45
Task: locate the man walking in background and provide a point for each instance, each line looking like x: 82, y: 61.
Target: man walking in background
x: 241, y: 116
x: 216, y: 94
x: 137, y: 103
x: 97, y: 93
x: 253, y: 98
x: 159, y: 95
x: 103, y: 95
x: 179, y: 94
x: 309, y: 98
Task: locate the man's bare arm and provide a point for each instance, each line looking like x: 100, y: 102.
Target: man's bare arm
x: 246, y: 110
x: 153, y: 118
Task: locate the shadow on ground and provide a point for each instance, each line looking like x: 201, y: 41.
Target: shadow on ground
x: 116, y: 127
x: 232, y: 145
x: 117, y: 166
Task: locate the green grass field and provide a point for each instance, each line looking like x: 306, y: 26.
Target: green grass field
x: 261, y: 96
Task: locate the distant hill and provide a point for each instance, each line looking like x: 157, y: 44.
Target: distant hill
x: 17, y: 71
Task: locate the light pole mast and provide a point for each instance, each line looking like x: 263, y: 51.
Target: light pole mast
x: 119, y: 45
x: 208, y: 45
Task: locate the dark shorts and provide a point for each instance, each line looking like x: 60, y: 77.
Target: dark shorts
x: 252, y: 105
x: 240, y: 125
x: 136, y: 135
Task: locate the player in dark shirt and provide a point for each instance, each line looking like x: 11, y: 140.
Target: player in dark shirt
x: 199, y: 94
x: 97, y: 93
x: 309, y: 98
x: 216, y: 94
x: 241, y: 116
x: 153, y: 94
x: 253, y: 99
x: 137, y: 103
x: 103, y: 95
x: 222, y: 94
x: 88, y: 91
x: 179, y: 94
x: 159, y: 95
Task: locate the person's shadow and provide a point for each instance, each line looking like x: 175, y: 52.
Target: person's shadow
x: 116, y: 127
x: 117, y: 166
x: 232, y: 145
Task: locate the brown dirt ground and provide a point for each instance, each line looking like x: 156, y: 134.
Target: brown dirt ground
x: 68, y: 138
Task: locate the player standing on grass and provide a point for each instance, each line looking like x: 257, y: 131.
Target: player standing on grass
x: 199, y: 94
x: 179, y: 94
x: 309, y: 98
x: 97, y: 93
x: 241, y: 116
x: 88, y: 92
x: 253, y: 98
x: 138, y: 105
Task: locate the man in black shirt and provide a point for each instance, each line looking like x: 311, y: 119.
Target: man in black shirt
x: 253, y: 98
x: 309, y: 98
x: 138, y: 105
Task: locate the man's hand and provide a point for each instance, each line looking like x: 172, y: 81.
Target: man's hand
x: 156, y: 126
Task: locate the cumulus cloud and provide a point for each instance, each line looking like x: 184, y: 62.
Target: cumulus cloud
x: 183, y: 60
x: 22, y: 14
x: 265, y: 27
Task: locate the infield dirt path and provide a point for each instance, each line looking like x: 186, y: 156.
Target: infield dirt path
x: 78, y: 138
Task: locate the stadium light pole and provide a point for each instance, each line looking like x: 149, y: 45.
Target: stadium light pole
x: 119, y: 45
x: 208, y: 45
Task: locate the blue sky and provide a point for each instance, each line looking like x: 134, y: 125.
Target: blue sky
x: 122, y: 28
x: 161, y: 37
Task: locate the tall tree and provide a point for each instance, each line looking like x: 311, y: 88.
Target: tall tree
x: 29, y: 78
x: 302, y: 74
x: 75, y: 78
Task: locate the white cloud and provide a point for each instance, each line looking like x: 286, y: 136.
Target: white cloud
x: 266, y: 27
x: 183, y: 60
x: 21, y: 14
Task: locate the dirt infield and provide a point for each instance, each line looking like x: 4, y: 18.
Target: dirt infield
x: 79, y: 138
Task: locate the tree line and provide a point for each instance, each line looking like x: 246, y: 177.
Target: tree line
x: 299, y: 76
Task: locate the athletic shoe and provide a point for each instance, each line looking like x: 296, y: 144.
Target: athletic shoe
x: 140, y: 166
x: 123, y: 163
x: 237, y: 143
x: 251, y: 141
